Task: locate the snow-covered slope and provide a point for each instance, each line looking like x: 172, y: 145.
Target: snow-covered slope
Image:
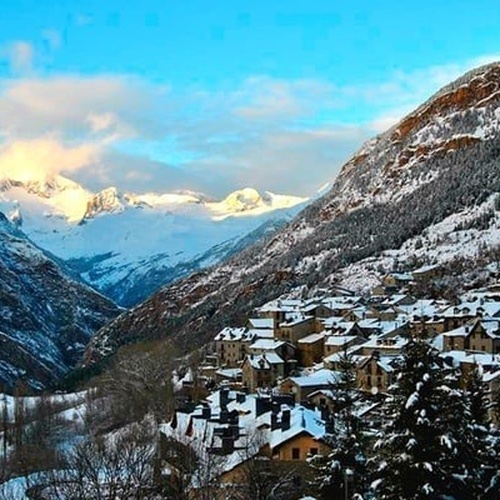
x: 128, y: 245
x: 391, y: 197
x: 46, y: 318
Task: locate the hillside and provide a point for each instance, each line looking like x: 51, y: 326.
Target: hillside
x: 46, y: 318
x: 439, y: 164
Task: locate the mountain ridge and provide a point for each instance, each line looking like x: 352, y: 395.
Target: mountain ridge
x: 128, y: 245
x: 389, y: 192
x: 47, y: 317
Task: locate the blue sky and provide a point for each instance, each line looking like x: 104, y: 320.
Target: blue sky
x: 217, y: 95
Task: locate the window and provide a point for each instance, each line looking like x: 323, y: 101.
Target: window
x: 313, y: 451
x: 295, y: 453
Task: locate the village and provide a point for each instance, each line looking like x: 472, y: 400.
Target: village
x: 269, y: 387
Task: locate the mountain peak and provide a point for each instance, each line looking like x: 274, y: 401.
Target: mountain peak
x: 106, y: 201
x: 243, y: 199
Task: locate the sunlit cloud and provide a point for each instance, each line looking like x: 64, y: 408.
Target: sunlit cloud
x: 43, y: 158
x: 283, y: 135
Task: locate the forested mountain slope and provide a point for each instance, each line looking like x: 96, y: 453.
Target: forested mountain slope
x: 441, y: 160
x: 46, y: 318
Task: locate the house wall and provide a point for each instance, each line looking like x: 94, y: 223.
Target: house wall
x: 480, y: 341
x: 454, y: 343
x: 231, y: 352
x: 304, y: 444
x: 297, y: 331
x: 372, y: 375
x: 311, y: 352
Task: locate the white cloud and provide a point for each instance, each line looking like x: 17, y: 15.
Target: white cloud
x: 282, y: 135
x: 20, y: 56
x: 402, y: 92
x: 73, y: 104
x: 42, y: 158
x: 264, y: 98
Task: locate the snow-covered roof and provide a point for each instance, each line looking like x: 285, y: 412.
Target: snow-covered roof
x: 261, y: 333
x: 473, y: 357
x: 333, y: 322
x: 339, y: 340
x: 261, y: 323
x: 296, y: 318
x: 310, y: 339
x: 301, y: 420
x: 396, y: 342
x: 266, y: 345
x: 402, y: 276
x: 234, y: 334
x: 475, y: 308
x: 264, y: 361
x: 426, y: 269
x: 230, y: 373
x: 325, y: 392
x: 394, y: 299
x: 322, y: 377
x: 491, y: 328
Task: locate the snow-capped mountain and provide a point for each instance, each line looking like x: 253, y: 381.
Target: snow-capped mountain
x: 420, y: 191
x: 46, y: 318
x: 127, y: 245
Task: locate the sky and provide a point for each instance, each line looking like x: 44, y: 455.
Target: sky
x: 212, y: 96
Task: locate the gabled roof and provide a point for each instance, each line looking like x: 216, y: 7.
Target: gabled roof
x: 323, y: 377
x: 263, y: 361
x: 267, y: 344
x: 261, y: 323
x: 292, y: 319
x: 339, y: 340
x: 234, y: 334
x: 302, y: 420
x: 311, y: 339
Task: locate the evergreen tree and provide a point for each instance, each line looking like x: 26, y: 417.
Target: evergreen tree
x: 341, y: 471
x: 427, y: 448
x: 485, y: 429
x: 475, y: 389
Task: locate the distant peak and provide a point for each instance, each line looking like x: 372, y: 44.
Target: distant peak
x: 243, y: 198
x: 106, y: 201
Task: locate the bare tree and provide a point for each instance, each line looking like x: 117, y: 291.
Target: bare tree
x: 139, y: 382
x: 116, y: 466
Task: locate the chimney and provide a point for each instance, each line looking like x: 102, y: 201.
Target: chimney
x: 235, y: 430
x: 224, y: 416
x: 274, y: 418
x: 234, y: 417
x: 240, y: 397
x: 223, y: 397
x: 227, y: 444
x: 261, y: 406
x: 206, y: 412
x: 285, y: 420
